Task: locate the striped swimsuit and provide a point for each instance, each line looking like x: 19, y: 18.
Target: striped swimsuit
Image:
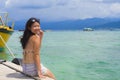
x: 31, y: 68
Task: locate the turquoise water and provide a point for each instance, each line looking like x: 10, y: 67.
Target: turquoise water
x: 77, y: 55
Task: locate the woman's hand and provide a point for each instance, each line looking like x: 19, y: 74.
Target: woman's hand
x: 41, y: 76
x: 41, y: 32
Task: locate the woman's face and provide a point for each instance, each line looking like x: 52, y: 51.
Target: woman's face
x: 35, y: 28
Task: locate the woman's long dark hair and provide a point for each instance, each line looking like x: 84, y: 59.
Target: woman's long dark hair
x: 27, y: 33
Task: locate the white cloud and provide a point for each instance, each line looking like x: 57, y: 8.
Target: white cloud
x: 61, y: 2
x: 28, y: 3
x: 2, y: 3
x: 111, y: 1
x: 115, y: 8
x: 62, y: 9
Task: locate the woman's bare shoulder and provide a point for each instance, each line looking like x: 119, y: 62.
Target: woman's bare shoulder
x: 34, y: 38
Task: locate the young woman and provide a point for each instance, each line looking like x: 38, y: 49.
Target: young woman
x: 31, y: 43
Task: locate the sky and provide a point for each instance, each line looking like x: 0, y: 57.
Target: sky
x: 59, y: 10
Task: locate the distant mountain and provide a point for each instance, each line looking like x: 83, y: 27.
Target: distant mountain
x: 95, y: 23
x: 109, y: 25
x: 20, y: 25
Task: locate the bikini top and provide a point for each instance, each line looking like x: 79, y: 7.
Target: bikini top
x: 28, y: 51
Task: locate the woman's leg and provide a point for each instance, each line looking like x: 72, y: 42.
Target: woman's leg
x: 49, y: 74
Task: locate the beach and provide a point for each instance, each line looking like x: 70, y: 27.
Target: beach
x: 76, y: 55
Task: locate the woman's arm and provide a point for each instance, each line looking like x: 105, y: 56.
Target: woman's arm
x: 36, y: 47
x: 41, y: 36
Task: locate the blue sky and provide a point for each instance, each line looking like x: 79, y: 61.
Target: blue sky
x: 58, y: 10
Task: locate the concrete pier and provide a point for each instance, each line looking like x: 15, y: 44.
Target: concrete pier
x: 11, y: 71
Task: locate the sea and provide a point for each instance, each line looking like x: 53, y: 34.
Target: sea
x: 76, y: 55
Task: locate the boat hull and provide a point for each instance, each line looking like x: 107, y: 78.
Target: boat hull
x: 5, y: 34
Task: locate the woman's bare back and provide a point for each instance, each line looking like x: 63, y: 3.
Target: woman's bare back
x: 28, y: 53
